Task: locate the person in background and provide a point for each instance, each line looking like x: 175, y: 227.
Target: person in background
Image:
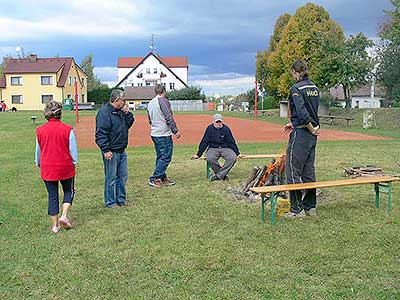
x: 219, y: 141
x: 3, y: 106
x: 303, y: 128
x: 162, y: 125
x: 112, y: 127
x: 56, y: 156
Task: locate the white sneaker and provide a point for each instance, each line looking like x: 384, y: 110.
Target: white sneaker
x: 292, y: 215
x: 312, y: 212
x: 55, y: 229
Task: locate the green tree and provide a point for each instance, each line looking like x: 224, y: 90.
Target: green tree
x: 187, y: 93
x: 4, y: 64
x: 100, y: 94
x: 303, y: 37
x: 347, y: 65
x: 388, y: 71
x: 92, y: 81
x: 266, y: 73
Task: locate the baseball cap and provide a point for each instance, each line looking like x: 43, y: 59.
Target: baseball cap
x: 217, y: 117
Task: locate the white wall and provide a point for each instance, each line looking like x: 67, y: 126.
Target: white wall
x: 152, y: 62
x: 365, y: 102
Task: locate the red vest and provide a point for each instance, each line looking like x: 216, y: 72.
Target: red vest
x: 55, y: 159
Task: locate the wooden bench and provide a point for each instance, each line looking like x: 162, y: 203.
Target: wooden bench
x: 333, y: 118
x: 382, y: 184
x: 208, y: 166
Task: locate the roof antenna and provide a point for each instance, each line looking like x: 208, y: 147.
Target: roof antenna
x: 20, y: 51
x: 152, y: 45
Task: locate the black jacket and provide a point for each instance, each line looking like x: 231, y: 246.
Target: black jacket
x: 217, y: 138
x: 304, y: 103
x: 112, y: 128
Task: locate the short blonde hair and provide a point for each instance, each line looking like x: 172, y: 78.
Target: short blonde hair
x: 53, y: 109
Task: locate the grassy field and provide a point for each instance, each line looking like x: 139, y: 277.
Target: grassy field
x: 193, y: 240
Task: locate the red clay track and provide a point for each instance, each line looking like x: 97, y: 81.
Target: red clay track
x: 192, y: 128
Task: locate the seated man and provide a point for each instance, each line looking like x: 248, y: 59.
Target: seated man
x: 219, y: 140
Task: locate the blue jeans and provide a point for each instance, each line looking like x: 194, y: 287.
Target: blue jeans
x: 115, y: 177
x: 164, y: 147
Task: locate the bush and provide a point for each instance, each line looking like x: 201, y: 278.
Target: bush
x: 187, y: 93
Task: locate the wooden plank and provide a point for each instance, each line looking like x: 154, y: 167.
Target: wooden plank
x: 323, y: 184
x: 250, y: 156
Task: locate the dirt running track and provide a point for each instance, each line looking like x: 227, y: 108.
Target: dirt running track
x: 192, y: 128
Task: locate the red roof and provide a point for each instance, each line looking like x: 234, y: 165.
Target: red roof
x: 169, y: 61
x: 39, y: 65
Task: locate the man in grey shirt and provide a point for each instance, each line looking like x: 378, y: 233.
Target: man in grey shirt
x: 163, y: 125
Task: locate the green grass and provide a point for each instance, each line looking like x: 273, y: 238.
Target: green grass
x: 192, y: 240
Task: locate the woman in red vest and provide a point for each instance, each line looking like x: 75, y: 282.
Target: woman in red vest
x: 57, y: 155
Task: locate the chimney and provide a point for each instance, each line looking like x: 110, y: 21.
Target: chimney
x: 33, y: 57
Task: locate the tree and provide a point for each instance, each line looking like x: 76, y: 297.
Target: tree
x: 266, y: 74
x: 347, y: 65
x: 187, y: 93
x: 388, y: 71
x: 302, y: 37
x: 4, y: 64
x: 87, y: 65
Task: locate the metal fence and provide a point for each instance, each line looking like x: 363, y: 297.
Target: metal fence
x: 186, y: 105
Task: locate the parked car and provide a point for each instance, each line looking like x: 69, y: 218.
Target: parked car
x: 142, y: 106
x: 131, y: 105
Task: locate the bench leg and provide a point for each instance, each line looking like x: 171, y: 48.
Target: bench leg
x: 384, y: 188
x: 377, y: 195
x: 274, y: 197
x: 263, y: 200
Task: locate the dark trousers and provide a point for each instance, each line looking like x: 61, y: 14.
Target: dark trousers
x: 300, y: 157
x: 53, y: 197
x: 164, y: 147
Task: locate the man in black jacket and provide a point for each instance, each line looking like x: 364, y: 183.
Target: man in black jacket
x: 112, y: 124
x: 220, y: 142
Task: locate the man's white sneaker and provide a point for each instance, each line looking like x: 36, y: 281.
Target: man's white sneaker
x: 312, y: 212
x: 292, y: 215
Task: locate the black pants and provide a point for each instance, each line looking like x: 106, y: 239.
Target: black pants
x: 52, y: 190
x: 300, y: 157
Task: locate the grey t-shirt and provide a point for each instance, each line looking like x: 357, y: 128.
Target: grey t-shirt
x: 161, y: 117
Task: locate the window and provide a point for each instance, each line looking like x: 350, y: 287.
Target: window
x: 172, y: 86
x: 17, y: 99
x: 16, y: 80
x: 83, y: 81
x: 148, y: 83
x: 75, y: 80
x: 163, y: 84
x: 46, y: 80
x: 155, y: 71
x: 70, y: 80
x: 69, y: 96
x: 46, y: 98
x: 140, y: 84
x: 147, y: 70
x: 83, y: 97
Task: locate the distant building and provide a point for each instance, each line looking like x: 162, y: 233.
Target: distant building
x: 29, y: 83
x: 172, y: 72
x: 139, y: 95
x: 368, y: 96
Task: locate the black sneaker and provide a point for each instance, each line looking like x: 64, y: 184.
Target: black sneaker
x: 214, y: 178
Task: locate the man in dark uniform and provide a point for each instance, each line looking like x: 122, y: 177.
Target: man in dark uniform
x: 300, y: 153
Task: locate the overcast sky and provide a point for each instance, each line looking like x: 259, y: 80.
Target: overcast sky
x: 220, y: 38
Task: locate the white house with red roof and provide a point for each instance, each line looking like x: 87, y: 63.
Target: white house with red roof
x: 170, y: 71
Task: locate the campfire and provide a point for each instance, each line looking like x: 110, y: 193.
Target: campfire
x: 271, y: 174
